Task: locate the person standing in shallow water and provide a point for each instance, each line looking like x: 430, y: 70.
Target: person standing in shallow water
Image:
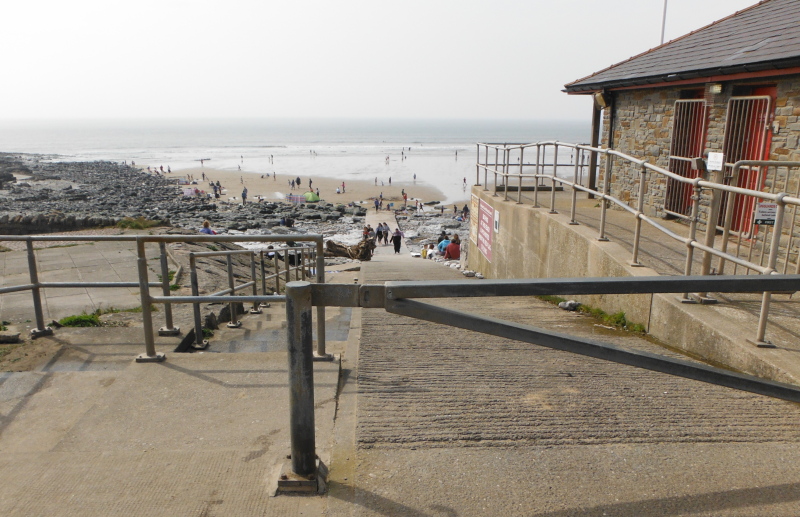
x: 397, y: 238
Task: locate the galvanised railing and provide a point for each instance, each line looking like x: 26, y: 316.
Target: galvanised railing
x: 304, y: 257
x: 769, y: 247
x: 400, y: 298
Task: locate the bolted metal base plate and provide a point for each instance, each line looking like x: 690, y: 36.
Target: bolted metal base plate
x: 47, y: 331
x: 704, y: 300
x: 762, y: 344
x: 291, y: 483
x: 200, y: 346
x: 255, y: 311
x: 263, y: 305
x: 326, y: 357
x: 234, y: 325
x: 158, y: 358
x: 164, y: 331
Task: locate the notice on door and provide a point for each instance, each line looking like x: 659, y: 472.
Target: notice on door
x: 765, y: 213
x: 485, y: 229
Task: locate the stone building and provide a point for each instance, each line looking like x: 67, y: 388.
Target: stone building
x: 731, y: 87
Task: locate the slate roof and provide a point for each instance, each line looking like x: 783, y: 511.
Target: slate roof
x: 764, y: 36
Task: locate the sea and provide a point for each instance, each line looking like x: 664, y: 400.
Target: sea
x: 439, y: 153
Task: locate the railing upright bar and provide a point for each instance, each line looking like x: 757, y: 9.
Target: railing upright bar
x: 486, y: 167
x: 506, y: 160
x: 536, y: 178
x: 478, y: 164
x: 726, y: 230
x: 553, y: 187
x: 263, y: 277
x: 496, y: 158
x: 603, y: 200
x: 320, y: 277
x: 687, y: 270
x: 165, y: 289
x: 573, y: 206
x: 791, y: 228
x: 277, y: 272
x: 198, y: 323
x: 773, y: 260
x: 301, y: 378
x: 256, y: 309
x: 234, y: 323
x: 41, y: 329
x: 637, y: 234
x: 150, y: 354
x: 521, y: 161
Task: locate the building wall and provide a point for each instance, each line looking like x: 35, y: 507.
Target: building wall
x: 642, y: 127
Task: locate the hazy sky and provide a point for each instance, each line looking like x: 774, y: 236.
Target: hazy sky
x: 322, y: 58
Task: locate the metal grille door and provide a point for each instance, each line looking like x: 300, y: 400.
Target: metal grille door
x: 746, y: 138
x: 688, y: 139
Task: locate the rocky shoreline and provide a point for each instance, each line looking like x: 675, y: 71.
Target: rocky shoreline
x: 65, y: 196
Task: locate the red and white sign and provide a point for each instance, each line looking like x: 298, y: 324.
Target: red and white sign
x: 485, y: 229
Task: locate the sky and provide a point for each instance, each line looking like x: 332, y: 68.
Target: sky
x: 429, y: 59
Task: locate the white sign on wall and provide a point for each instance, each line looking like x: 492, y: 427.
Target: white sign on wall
x: 766, y: 212
x: 496, y: 221
x: 716, y: 161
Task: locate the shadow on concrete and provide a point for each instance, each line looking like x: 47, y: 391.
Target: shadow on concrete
x: 689, y: 504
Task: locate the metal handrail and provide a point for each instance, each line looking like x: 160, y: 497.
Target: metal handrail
x: 500, y: 169
x: 302, y: 270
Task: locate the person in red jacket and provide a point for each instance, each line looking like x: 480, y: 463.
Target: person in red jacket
x: 453, y: 250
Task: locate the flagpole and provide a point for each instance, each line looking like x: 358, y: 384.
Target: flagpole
x: 663, y: 22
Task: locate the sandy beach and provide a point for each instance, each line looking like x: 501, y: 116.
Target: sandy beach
x: 274, y: 189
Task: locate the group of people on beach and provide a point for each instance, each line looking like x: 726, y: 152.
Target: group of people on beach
x: 384, y: 234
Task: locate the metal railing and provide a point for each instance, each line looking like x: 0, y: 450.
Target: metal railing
x: 708, y: 196
x: 303, y: 257
x: 398, y: 298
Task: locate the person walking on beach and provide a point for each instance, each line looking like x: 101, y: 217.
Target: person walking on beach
x: 377, y: 204
x: 244, y: 195
x: 309, y: 183
x: 397, y: 238
x: 390, y: 181
x: 298, y: 182
x: 343, y: 187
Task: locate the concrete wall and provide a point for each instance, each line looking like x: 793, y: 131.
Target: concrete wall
x: 531, y: 243
x: 534, y: 244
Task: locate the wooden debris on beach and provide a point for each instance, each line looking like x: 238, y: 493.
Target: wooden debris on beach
x: 361, y: 251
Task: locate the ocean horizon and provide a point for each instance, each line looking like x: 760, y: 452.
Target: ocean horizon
x: 440, y: 153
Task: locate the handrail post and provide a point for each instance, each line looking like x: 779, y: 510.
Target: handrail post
x: 199, y: 342
x: 287, y: 270
x: 506, y: 160
x: 639, y: 210
x: 603, y: 201
x: 726, y: 231
x: 486, y: 167
x: 41, y: 329
x: 478, y: 165
x: 553, y: 188
x: 766, y: 297
x: 301, y: 378
x: 234, y: 323
x: 168, y: 329
x: 574, y: 190
x: 711, y: 231
x: 692, y: 238
x: 496, y: 153
x: 521, y: 161
x: 277, y: 272
x: 536, y: 178
x: 256, y: 308
x: 263, y: 278
x: 321, y: 354
x: 150, y: 354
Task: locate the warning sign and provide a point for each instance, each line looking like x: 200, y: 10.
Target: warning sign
x: 765, y: 213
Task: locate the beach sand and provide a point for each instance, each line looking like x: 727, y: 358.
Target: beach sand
x: 275, y: 189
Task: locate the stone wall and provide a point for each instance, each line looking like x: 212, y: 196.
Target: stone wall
x: 642, y: 127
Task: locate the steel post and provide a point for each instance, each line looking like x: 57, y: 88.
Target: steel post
x: 603, y: 201
x: 321, y: 355
x: 729, y: 209
x: 536, y: 178
x: 256, y: 309
x: 277, y: 273
x: 574, y: 190
x: 263, y: 277
x: 150, y: 354
x: 41, y: 329
x: 692, y: 237
x: 711, y: 231
x: 486, y: 167
x: 766, y: 297
x: 553, y: 188
x: 199, y: 342
x: 234, y: 323
x: 639, y: 210
x: 478, y: 165
x: 169, y: 328
x: 521, y: 161
x: 301, y: 378
x: 496, y: 158
x: 506, y: 159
